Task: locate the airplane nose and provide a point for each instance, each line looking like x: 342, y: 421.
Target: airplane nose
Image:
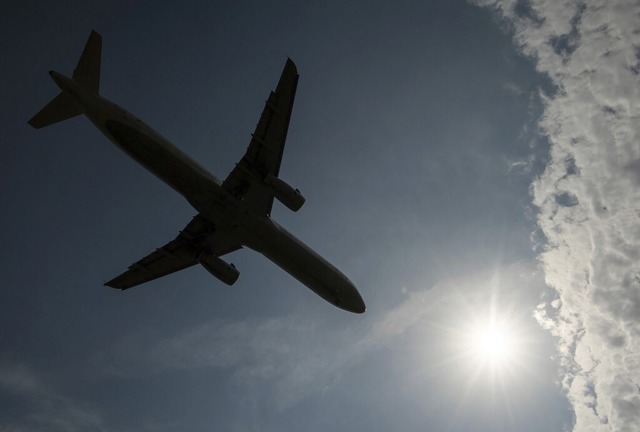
x: 353, y: 300
x: 359, y: 306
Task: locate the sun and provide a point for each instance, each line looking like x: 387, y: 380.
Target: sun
x: 492, y: 344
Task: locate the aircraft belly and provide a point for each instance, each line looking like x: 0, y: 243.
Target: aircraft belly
x: 162, y: 159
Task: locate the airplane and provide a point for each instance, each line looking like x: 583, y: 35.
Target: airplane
x: 231, y: 214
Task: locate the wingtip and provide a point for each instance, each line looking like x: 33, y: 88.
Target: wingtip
x: 110, y: 284
x: 291, y: 64
x: 31, y: 122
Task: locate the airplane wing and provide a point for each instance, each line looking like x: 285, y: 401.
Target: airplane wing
x: 178, y: 254
x: 265, y: 150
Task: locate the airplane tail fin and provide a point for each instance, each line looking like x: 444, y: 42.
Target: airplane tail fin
x: 86, y: 73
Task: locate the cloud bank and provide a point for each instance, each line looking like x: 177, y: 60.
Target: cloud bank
x: 589, y: 196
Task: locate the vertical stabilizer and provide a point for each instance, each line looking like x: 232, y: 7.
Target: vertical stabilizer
x: 87, y: 72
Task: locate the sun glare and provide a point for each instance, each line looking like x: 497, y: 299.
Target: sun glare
x: 492, y: 344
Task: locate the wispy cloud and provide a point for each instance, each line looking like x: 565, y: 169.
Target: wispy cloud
x: 43, y: 407
x: 294, y: 358
x: 588, y: 196
x: 287, y: 353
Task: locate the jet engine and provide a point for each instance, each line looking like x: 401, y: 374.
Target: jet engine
x: 290, y: 197
x: 224, y: 271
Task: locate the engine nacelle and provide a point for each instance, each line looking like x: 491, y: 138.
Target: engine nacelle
x: 290, y: 197
x: 224, y: 271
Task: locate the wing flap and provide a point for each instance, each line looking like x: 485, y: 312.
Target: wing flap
x: 166, y: 260
x: 264, y: 154
x: 178, y: 254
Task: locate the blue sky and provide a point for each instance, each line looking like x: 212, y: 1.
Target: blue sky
x: 467, y: 165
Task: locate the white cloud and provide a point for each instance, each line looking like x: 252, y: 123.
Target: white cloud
x: 591, y: 51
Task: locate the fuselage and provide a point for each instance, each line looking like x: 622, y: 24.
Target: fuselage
x: 205, y: 193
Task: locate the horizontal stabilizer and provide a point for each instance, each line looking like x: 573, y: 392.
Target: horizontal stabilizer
x: 59, y: 109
